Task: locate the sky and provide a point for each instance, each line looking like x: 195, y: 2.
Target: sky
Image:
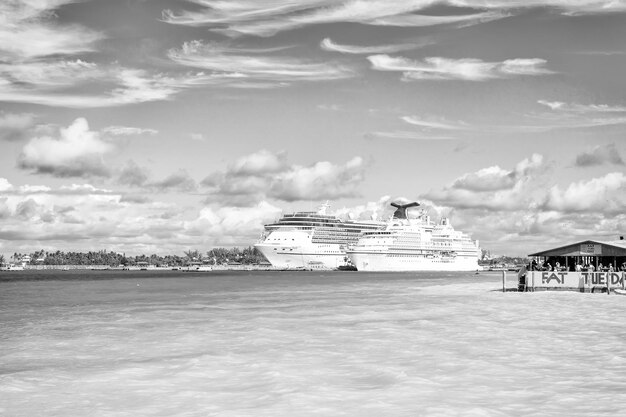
x: 161, y: 126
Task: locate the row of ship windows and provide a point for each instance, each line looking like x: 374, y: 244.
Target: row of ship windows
x: 395, y: 255
x: 291, y: 250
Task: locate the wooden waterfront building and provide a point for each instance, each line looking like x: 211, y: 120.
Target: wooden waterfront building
x: 599, y: 254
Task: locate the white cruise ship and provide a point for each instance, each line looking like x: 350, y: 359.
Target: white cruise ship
x: 311, y: 240
x: 415, y: 244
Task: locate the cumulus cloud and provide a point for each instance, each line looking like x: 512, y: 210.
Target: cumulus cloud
x: 15, y: 126
x: 605, y: 195
x: 81, y: 189
x: 28, y: 209
x: 261, y: 163
x: 133, y: 175
x: 137, y: 176
x: 491, y: 188
x: 486, y: 179
x: 233, y: 225
x: 268, y: 175
x: 61, y: 218
x: 372, y: 210
x: 5, y: 212
x: 5, y: 185
x: 180, y: 181
x: 75, y: 152
x: 33, y: 189
x: 515, y: 210
x: 328, y: 45
x: 600, y: 155
x: 323, y: 180
x: 495, y: 178
x: 244, y: 68
x: 468, y: 69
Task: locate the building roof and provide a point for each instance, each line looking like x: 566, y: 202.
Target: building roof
x: 587, y: 248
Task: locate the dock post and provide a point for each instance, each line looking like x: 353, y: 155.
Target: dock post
x: 503, y: 281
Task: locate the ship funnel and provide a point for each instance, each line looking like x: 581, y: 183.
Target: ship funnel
x: 323, y: 208
x: 400, y: 212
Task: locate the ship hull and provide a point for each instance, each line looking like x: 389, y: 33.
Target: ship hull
x: 365, y: 261
x: 325, y: 257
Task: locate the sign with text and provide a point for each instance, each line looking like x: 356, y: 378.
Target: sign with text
x: 554, y: 279
x: 590, y: 249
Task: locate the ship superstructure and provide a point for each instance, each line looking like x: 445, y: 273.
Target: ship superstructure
x: 415, y: 244
x: 311, y: 240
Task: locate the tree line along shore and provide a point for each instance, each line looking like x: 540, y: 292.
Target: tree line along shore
x: 215, y: 257
x: 103, y: 258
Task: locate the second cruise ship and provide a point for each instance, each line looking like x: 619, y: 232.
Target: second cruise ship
x: 312, y: 240
x: 415, y: 244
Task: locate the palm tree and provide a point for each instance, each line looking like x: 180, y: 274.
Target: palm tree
x: 2, y: 259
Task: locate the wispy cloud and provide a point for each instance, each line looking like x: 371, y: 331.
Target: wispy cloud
x: 128, y: 131
x: 59, y: 83
x: 581, y: 108
x: 468, y: 69
x: 249, y: 17
x: 328, y: 45
x: 599, y: 53
x: 254, y: 18
x: 432, y: 123
x: 28, y: 30
x: 568, y: 7
x: 579, y: 116
x: 254, y: 67
x: 330, y: 107
x: 403, y: 134
x: 416, y: 20
x: 198, y: 137
x: 562, y: 116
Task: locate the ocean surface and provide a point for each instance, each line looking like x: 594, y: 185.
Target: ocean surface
x: 122, y: 343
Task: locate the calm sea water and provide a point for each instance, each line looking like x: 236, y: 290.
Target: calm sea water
x: 304, y: 344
